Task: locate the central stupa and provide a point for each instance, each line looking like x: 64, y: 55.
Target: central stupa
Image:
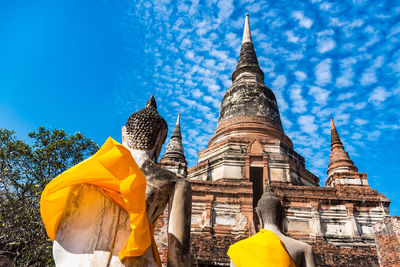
x: 248, y: 104
x: 249, y: 142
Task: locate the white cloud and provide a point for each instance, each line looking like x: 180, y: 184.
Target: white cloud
x: 254, y: 8
x: 294, y: 56
x: 345, y: 96
x: 320, y: 95
x: 341, y: 118
x: 394, y: 30
x: 232, y: 40
x: 267, y: 65
x: 325, y: 45
x: 279, y: 82
x: 212, y: 100
x: 291, y: 37
x: 212, y: 87
x: 197, y: 93
x: 360, y: 105
x: 300, y: 75
x: 323, y: 72
x: 389, y: 126
x: 374, y: 135
x: 368, y: 77
x: 360, y: 122
x: 325, y: 6
x: 277, y: 85
x: 189, y: 54
x: 356, y: 136
x: 209, y: 63
x: 325, y: 41
x: 299, y: 104
x: 286, y: 123
x: 304, y: 21
x: 307, y: 124
x: 378, y: 95
x: 225, y: 9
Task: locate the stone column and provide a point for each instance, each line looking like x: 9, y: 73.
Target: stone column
x: 209, y: 203
x: 316, y: 219
x: 265, y: 170
x: 351, y: 220
x: 247, y: 167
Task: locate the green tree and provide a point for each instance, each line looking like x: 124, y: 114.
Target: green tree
x: 25, y: 169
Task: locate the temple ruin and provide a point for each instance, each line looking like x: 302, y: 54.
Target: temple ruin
x: 249, y: 149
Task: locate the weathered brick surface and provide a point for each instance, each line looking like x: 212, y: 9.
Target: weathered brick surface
x: 330, y: 255
x: 387, y: 236
x: 209, y: 249
x: 161, y: 236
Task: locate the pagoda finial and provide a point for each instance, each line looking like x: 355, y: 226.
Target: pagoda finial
x: 247, y: 63
x: 246, y: 31
x: 335, y: 139
x: 339, y: 159
x: 174, y: 157
x: 177, y: 130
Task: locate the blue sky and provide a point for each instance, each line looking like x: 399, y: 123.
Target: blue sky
x: 87, y: 65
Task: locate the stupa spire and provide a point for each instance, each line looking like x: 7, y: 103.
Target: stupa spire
x: 249, y: 105
x: 247, y: 63
x: 335, y: 139
x: 339, y: 160
x: 177, y: 129
x: 246, y: 31
x: 174, y: 156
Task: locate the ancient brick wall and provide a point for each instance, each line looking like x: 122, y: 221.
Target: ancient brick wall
x: 161, y: 236
x: 330, y: 255
x: 387, y: 236
x: 209, y: 249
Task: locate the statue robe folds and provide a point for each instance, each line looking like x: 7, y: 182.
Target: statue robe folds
x: 113, y: 170
x: 263, y: 249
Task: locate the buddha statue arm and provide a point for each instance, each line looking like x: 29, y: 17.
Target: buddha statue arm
x: 309, y: 257
x: 164, y: 185
x: 179, y: 225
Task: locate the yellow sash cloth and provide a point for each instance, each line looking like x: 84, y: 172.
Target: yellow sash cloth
x: 114, y: 171
x: 263, y: 249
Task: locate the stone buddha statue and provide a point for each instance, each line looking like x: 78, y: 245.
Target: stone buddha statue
x: 94, y: 229
x: 269, y: 211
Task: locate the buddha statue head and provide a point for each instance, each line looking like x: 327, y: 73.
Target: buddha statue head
x: 146, y: 130
x: 269, y: 208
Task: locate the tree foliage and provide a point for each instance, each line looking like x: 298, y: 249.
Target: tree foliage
x: 25, y: 169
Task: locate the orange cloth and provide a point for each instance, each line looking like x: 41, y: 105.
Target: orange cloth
x: 116, y: 173
x: 263, y: 249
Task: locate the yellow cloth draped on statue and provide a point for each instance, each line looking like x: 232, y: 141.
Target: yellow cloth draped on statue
x: 114, y: 171
x: 263, y: 249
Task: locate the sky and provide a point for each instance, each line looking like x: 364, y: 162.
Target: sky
x: 85, y: 66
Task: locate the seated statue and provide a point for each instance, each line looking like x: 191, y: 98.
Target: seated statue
x: 93, y: 229
x: 270, y: 247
